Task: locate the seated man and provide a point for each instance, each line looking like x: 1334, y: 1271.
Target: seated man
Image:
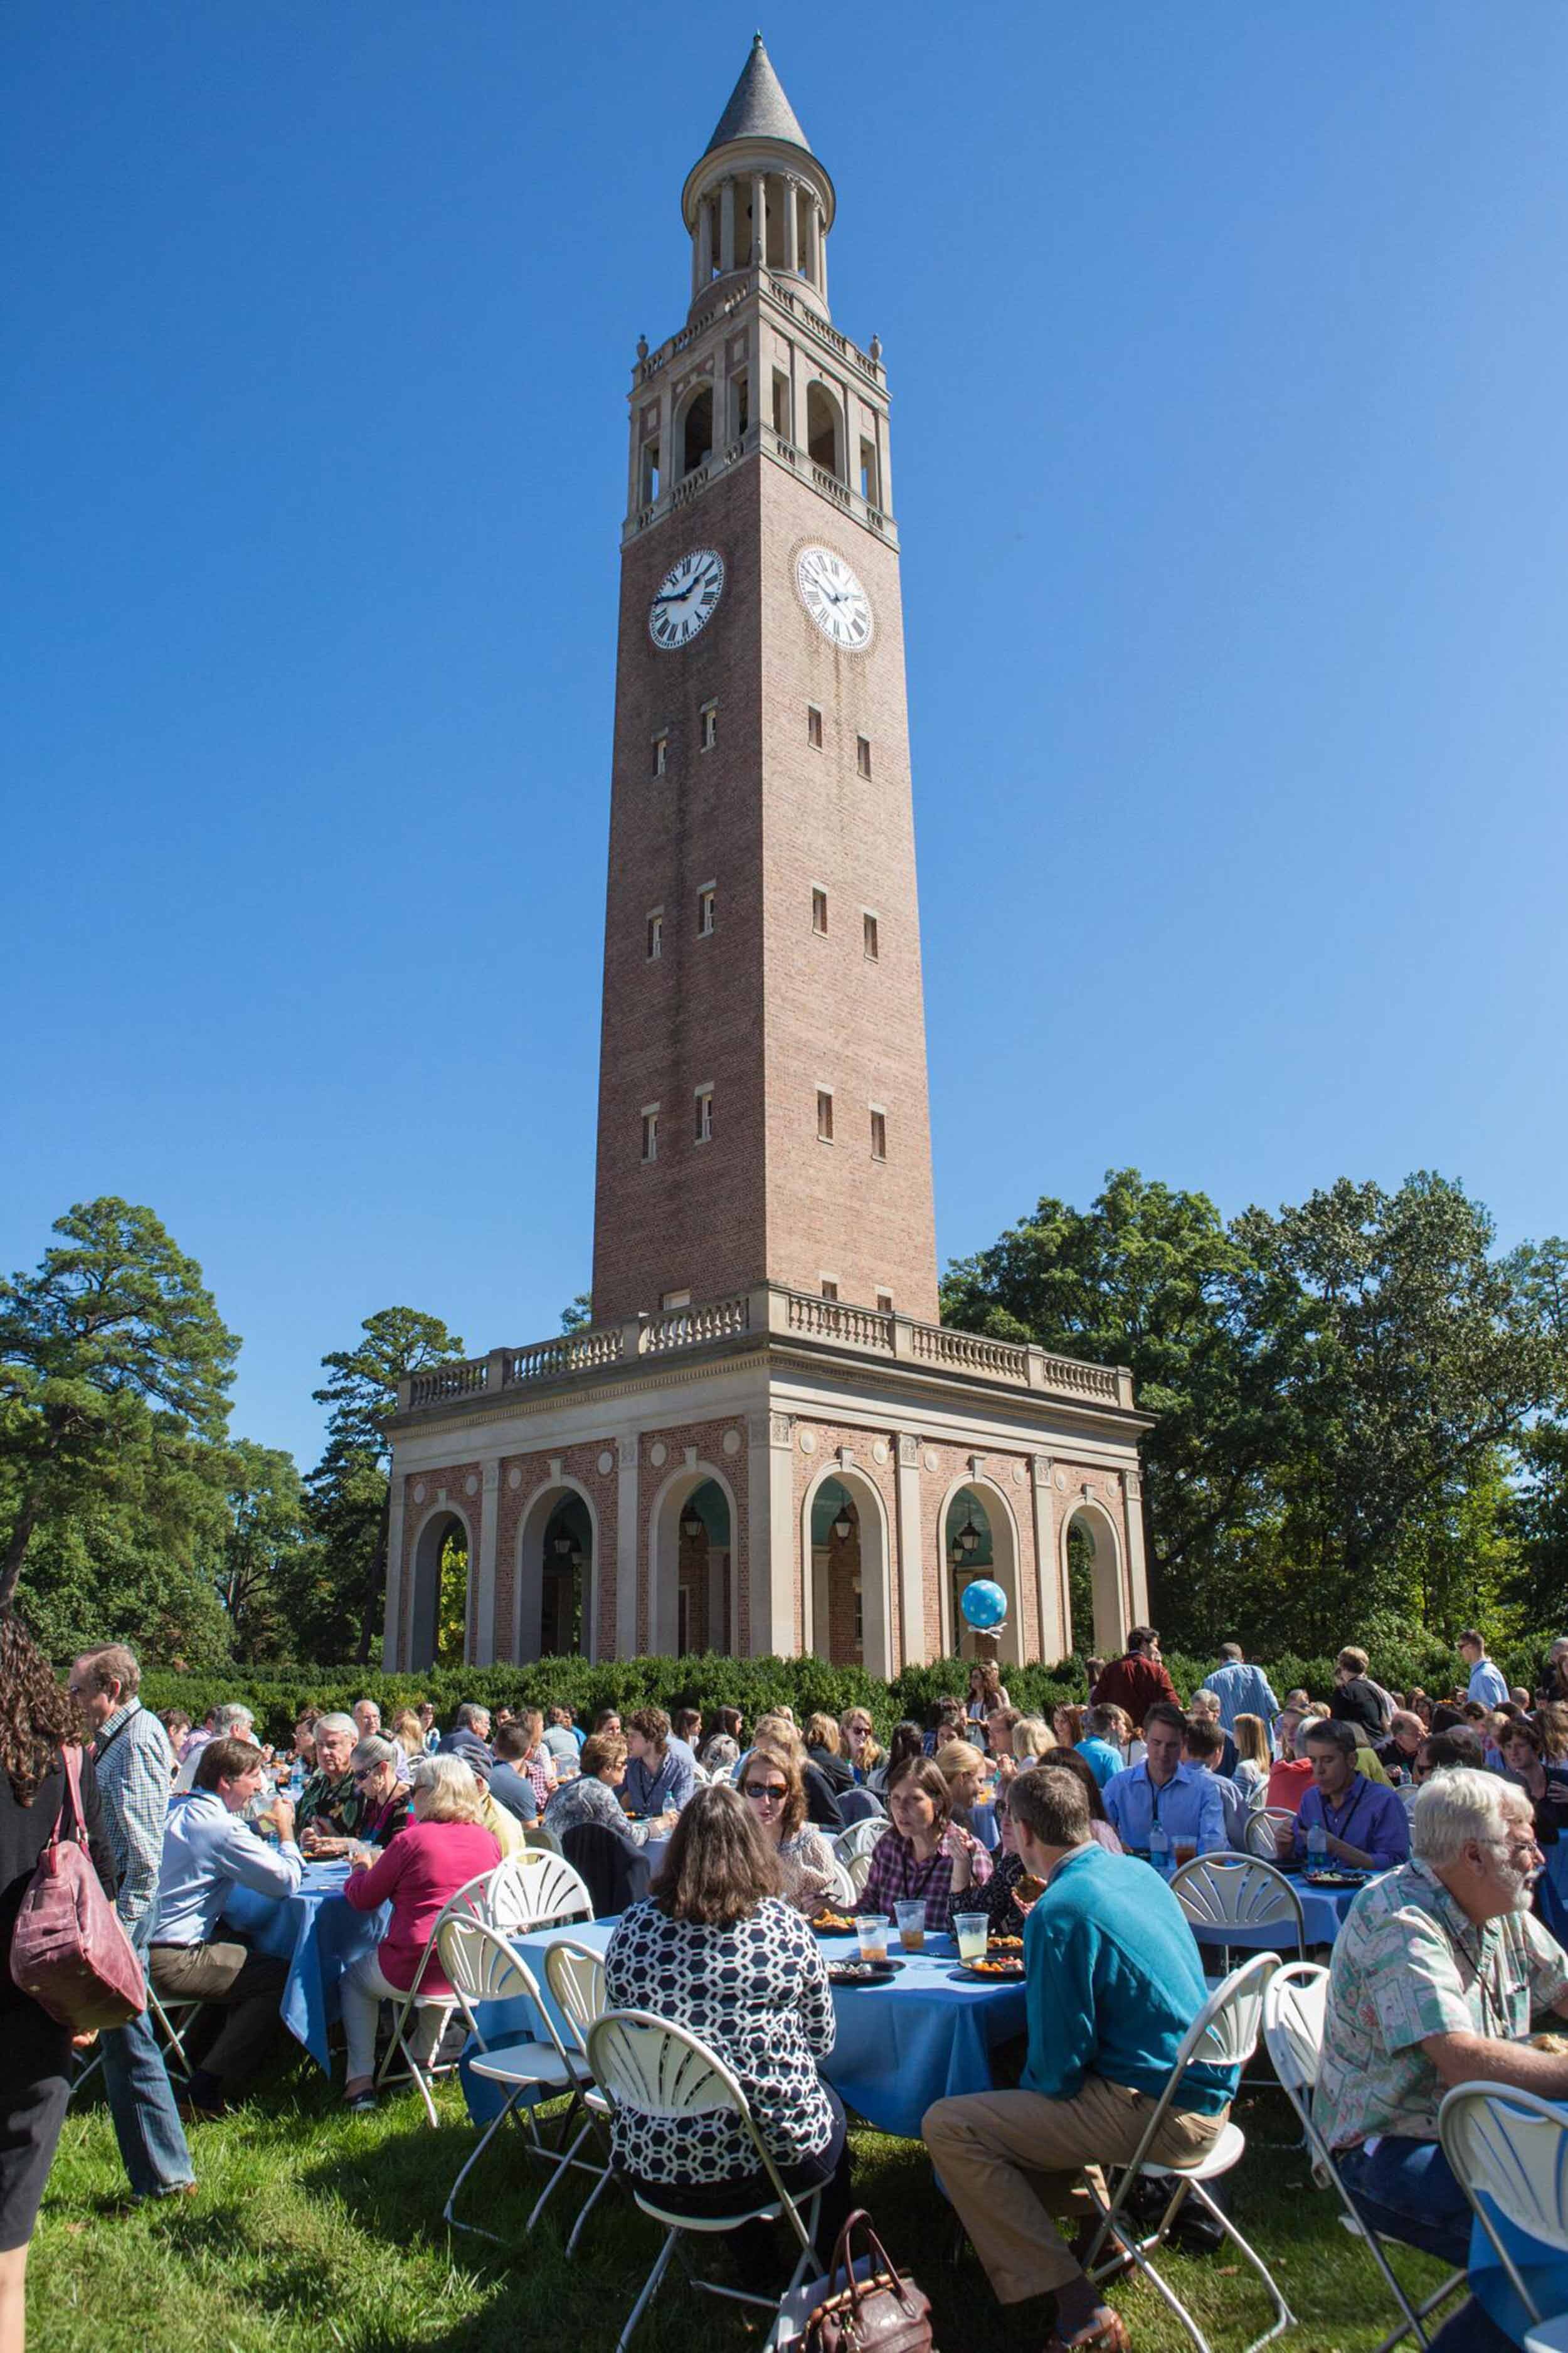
x: 1203, y: 1745
x: 1184, y: 1803
x: 509, y: 1786
x: 208, y: 1850
x: 1203, y: 1702
x: 1362, y: 1825
x: 1405, y: 1734
x: 1432, y: 1982
x: 329, y: 1806
x: 564, y: 1741
x: 1113, y: 1982
x: 469, y: 1737
x: 232, y: 1721
x: 661, y: 1772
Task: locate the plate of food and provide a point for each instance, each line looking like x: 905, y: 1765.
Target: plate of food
x: 994, y: 1945
x: 828, y: 1922
x: 1335, y: 1877
x: 861, y: 1972
x: 996, y: 1969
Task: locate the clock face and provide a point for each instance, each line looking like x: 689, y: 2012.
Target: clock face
x: 835, y: 599
x: 688, y: 595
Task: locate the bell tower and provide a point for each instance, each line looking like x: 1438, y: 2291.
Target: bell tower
x: 763, y: 1097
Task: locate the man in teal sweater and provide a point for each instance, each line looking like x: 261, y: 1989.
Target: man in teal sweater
x: 1113, y: 1982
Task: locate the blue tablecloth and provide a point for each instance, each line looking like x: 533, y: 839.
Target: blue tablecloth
x: 922, y: 2035
x: 1323, y: 1910
x: 1545, y: 2275
x: 319, y: 1934
x: 1553, y: 1891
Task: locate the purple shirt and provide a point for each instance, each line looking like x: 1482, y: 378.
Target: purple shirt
x: 1369, y: 1817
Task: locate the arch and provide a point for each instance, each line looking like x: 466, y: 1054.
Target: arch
x: 1109, y: 1585
x: 429, y: 1542
x: 528, y: 1568
x: 1002, y: 1565
x: 824, y: 430
x: 875, y: 1570
x: 664, y: 1557
x: 696, y: 442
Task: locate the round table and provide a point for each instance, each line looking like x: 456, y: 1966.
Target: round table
x: 317, y: 1932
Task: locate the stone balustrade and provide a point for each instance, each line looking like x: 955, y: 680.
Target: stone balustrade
x: 786, y: 453
x: 801, y: 1316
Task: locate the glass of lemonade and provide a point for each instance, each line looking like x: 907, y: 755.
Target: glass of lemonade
x: 912, y: 1920
x: 872, y: 1930
x: 971, y: 1929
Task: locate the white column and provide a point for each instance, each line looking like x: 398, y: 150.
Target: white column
x: 485, y: 1595
x: 1136, y: 1596
x: 1056, y: 1636
x: 791, y: 225
x: 759, y: 253
x: 726, y: 226
x: 821, y: 238
x: 704, y: 242
x: 627, y: 1546
x: 718, y: 1588
x: 392, y: 1632
x: 772, y: 1569
x: 911, y: 1558
x: 696, y: 266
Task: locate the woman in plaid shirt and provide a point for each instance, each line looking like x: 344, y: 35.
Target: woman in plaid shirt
x: 926, y: 1853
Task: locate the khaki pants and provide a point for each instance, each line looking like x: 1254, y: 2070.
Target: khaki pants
x: 247, y: 1987
x: 1002, y: 2156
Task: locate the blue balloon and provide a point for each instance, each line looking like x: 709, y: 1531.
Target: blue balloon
x: 984, y: 1604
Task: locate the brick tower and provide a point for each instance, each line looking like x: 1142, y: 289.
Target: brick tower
x: 763, y: 1441
x: 762, y: 1108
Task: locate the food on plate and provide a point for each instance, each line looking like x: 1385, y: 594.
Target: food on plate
x: 1005, y: 1945
x: 1009, y: 1964
x: 1554, y: 2046
x: 833, y: 1923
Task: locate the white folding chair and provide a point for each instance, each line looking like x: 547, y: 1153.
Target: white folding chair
x: 535, y: 1834
x: 575, y: 1975
x: 1295, y: 2004
x: 1262, y: 1826
x: 1509, y: 2152
x: 1218, y: 1892
x: 859, y: 1838
x: 1224, y: 2034
x: 844, y: 1893
x: 468, y: 1902
x: 481, y: 1967
x: 643, y: 2064
x: 534, y: 1889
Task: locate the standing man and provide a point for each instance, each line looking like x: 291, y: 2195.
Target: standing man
x: 469, y: 1738
x: 1137, y: 1679
x: 1486, y: 1679
x: 1364, y: 1825
x: 1181, y: 1799
x: 134, y: 1764
x: 1357, y: 1700
x: 1241, y: 1689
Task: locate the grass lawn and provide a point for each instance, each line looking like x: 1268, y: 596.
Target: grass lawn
x: 314, y: 2229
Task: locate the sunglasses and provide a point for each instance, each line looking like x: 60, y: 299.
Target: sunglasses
x: 772, y: 1790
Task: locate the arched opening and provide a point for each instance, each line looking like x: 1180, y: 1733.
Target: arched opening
x: 438, y: 1634
x: 979, y: 1541
x: 697, y: 433
x: 1091, y: 1573
x: 824, y: 430
x: 845, y: 1537
x: 691, y: 1602
x: 556, y: 1587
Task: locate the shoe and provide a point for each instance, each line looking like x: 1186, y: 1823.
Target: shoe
x: 364, y: 2104
x: 1105, y: 2333
x: 194, y: 2112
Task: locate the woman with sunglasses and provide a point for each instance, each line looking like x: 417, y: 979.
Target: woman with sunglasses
x: 772, y: 1786
x: 381, y: 1798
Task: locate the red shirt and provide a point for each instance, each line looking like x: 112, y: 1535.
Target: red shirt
x: 1289, y: 1782
x: 426, y: 1864
x: 1136, y: 1683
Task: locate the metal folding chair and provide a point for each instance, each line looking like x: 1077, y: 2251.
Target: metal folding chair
x: 575, y: 1975
x: 645, y: 2065
x: 1294, y: 2006
x: 1509, y: 2152
x: 1236, y: 1891
x: 534, y: 1889
x: 1224, y: 2034
x: 468, y: 1902
x: 859, y: 1838
x: 1262, y: 1824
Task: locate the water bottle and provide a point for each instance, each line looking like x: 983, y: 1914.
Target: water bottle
x: 296, y: 1777
x: 1160, y: 1847
x: 1317, y: 1846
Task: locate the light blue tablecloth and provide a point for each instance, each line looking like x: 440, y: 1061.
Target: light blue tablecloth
x: 319, y: 1934
x: 1545, y: 2275
x: 1323, y: 1910
x: 922, y: 2035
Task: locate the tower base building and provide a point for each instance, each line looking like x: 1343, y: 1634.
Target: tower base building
x: 764, y: 1442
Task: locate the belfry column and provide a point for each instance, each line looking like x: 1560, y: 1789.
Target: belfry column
x: 821, y: 255
x: 759, y: 253
x: 726, y: 226
x: 704, y: 243
x: 791, y: 227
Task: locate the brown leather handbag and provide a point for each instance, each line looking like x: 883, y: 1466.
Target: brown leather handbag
x: 884, y: 2313
x: 69, y: 1951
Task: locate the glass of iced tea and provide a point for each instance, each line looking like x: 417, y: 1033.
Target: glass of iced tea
x: 1184, y: 1849
x: 912, y: 1920
x: 872, y: 1929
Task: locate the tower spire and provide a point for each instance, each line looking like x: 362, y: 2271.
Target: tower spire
x: 758, y: 108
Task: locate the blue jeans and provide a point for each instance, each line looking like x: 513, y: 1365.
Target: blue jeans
x: 141, y: 2102
x: 1405, y: 2190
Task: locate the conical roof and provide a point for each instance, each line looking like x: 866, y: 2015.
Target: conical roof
x: 758, y: 108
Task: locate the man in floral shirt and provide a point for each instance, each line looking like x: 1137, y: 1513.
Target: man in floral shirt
x: 1436, y: 1973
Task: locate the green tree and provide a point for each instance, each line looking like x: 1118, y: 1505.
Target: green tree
x: 350, y: 1500
x: 260, y: 1570
x: 579, y: 1314
x: 114, y: 1373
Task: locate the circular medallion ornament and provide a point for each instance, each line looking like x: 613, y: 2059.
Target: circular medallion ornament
x: 419, y: 1492
x: 1019, y: 1474
x: 1062, y: 1482
x: 686, y: 599
x: 731, y: 1441
x: 834, y: 599
x: 808, y: 1442
x: 607, y: 1463
x: 470, y: 1486
x: 514, y: 1480
x: 658, y: 1455
x: 879, y: 1452
x: 931, y: 1458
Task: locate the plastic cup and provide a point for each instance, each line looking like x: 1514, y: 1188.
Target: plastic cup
x: 912, y: 1920
x: 971, y: 1928
x: 1183, y: 1851
x: 872, y: 1929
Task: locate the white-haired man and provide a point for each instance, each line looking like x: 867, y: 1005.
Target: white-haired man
x: 232, y: 1721
x: 1433, y: 1979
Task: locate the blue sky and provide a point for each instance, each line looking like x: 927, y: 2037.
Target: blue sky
x: 1231, y: 457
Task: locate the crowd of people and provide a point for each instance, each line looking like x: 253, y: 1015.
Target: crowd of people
x: 1044, y: 1826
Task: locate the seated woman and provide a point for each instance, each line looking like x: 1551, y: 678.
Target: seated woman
x: 772, y: 1784
x: 857, y: 1744
x: 440, y: 1849
x: 824, y: 1748
x: 907, y: 1740
x: 716, y: 1950
x: 590, y: 1798
x: 963, y: 1768
x: 1253, y: 1763
x: 375, y: 1767
x: 728, y: 1724
x: 925, y: 1854
x: 408, y: 1732
x: 1290, y: 1777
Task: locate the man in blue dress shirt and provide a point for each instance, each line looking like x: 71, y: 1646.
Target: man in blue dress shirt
x: 1240, y: 1690
x: 1486, y: 1683
x: 1362, y: 1824
x: 1112, y: 1982
x: 1183, y: 1801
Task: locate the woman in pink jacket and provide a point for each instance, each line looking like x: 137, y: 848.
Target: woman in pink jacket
x: 440, y: 1849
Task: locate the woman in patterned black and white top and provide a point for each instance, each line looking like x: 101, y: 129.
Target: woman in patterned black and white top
x: 716, y: 1949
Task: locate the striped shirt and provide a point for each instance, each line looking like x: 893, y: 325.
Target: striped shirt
x: 134, y: 1764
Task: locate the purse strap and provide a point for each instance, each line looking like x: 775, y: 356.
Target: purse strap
x: 70, y: 1757
x: 844, y: 2260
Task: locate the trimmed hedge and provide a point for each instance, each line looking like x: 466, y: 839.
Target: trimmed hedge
x: 714, y: 1679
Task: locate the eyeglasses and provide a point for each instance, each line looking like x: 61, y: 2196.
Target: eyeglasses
x: 773, y: 1792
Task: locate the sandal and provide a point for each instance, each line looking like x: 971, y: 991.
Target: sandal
x: 1106, y: 2335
